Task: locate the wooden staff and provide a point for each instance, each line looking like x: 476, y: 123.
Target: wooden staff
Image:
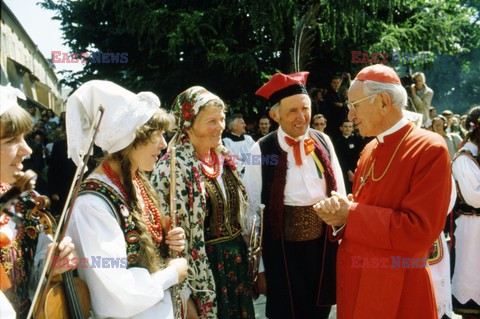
x: 173, y: 182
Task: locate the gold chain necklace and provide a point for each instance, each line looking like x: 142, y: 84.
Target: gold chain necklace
x: 364, y: 178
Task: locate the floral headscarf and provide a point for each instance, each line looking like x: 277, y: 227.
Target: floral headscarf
x: 189, y: 103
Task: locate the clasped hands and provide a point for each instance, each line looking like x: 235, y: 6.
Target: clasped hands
x: 334, y: 210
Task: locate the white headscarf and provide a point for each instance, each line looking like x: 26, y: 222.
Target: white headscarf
x: 8, y: 97
x: 124, y: 113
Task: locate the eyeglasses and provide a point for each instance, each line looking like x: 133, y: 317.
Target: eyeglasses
x: 351, y: 106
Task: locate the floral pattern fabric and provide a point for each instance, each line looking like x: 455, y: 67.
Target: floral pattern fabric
x: 188, y: 103
x: 191, y: 207
x: 230, y: 270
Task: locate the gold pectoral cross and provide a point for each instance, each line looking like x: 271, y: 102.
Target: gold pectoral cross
x: 363, y: 181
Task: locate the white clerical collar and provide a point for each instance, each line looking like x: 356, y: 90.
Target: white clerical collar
x: 393, y: 129
x: 281, y: 138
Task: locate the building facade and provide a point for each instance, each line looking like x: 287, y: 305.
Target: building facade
x: 24, y: 66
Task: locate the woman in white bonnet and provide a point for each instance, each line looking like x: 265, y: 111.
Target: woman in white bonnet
x: 116, y: 225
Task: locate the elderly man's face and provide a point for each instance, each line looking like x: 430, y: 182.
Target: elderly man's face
x: 366, y: 115
x: 239, y: 126
x: 293, y: 114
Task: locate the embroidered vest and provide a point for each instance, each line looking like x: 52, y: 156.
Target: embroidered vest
x: 122, y: 214
x: 274, y: 178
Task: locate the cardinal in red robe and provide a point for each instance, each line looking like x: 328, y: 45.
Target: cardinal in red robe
x: 401, y: 193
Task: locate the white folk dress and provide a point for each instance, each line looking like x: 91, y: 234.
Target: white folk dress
x: 115, y: 291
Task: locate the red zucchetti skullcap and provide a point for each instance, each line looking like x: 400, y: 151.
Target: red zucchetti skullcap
x: 379, y: 73
x: 283, y: 85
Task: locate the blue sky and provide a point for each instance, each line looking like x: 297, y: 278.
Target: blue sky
x: 44, y: 31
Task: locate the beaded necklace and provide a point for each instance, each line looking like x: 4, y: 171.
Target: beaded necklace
x: 4, y: 218
x: 150, y: 213
x: 214, y: 163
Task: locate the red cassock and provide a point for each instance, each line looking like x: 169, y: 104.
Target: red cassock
x: 381, y: 270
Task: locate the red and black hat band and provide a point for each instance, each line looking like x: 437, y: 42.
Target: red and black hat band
x: 286, y: 92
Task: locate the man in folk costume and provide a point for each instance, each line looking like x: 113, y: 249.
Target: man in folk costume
x: 395, y: 213
x: 298, y: 168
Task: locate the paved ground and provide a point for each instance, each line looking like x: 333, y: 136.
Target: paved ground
x: 260, y: 310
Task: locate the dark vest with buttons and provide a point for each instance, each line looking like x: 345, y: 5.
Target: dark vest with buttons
x: 275, y: 257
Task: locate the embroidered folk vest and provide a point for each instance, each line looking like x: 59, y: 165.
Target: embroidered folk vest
x: 122, y: 214
x: 274, y: 177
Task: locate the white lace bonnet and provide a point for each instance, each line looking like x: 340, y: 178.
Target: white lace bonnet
x: 124, y: 113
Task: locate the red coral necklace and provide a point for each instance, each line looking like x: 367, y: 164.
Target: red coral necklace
x: 150, y: 213
x: 214, y: 164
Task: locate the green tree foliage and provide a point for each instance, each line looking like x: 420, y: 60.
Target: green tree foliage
x: 228, y: 46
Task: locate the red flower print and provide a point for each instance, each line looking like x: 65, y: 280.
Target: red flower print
x: 238, y: 258
x: 187, y: 112
x: 194, y: 254
x: 208, y: 307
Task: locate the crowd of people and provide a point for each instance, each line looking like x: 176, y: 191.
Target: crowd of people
x: 355, y: 199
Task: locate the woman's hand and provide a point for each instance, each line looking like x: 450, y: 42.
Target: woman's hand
x: 191, y: 309
x: 181, y: 267
x: 176, y: 239
x: 67, y: 258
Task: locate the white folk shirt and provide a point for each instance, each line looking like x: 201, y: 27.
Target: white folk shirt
x: 465, y: 282
x: 303, y: 185
x: 116, y: 292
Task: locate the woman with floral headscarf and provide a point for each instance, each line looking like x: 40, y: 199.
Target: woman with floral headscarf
x: 210, y: 201
x: 466, y: 171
